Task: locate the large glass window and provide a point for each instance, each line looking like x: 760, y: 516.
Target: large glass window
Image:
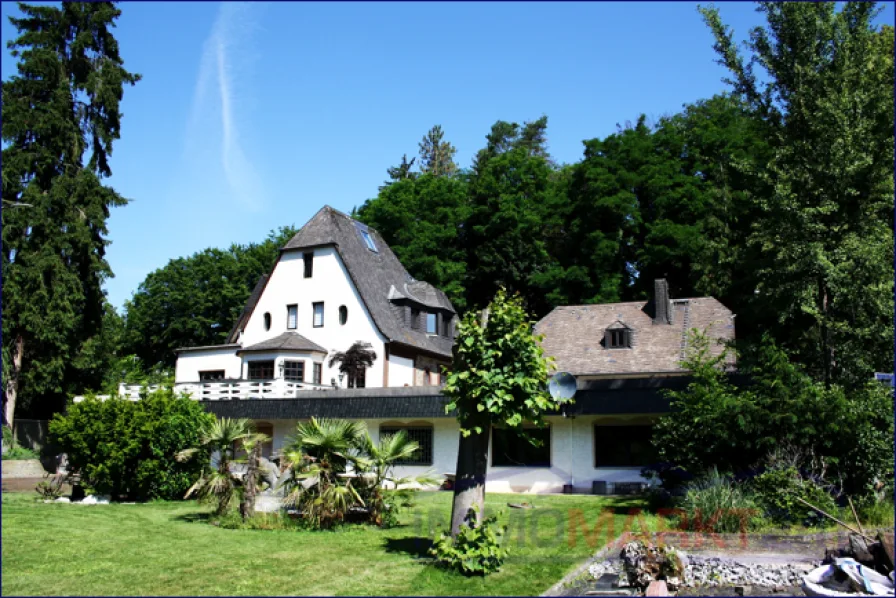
x: 623, y: 446
x: 509, y: 449
x: 292, y: 316
x: 209, y: 375
x: 432, y: 323
x: 294, y: 371
x: 309, y: 263
x: 422, y: 435
x: 261, y: 370
x: 318, y: 372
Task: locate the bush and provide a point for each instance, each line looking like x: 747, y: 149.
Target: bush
x: 51, y: 488
x: 17, y: 452
x: 717, y: 504
x: 476, y: 550
x: 873, y: 512
x: 776, y: 492
x: 127, y: 448
x: 260, y: 521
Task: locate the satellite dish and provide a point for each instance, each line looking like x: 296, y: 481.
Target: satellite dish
x: 562, y: 387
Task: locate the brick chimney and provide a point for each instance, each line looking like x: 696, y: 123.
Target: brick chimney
x: 661, y: 301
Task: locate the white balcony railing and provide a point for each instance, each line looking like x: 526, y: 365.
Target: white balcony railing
x: 218, y: 390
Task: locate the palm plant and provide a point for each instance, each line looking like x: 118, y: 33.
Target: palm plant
x: 252, y: 444
x: 217, y: 483
x: 383, y: 503
x: 354, y: 362
x: 319, y: 453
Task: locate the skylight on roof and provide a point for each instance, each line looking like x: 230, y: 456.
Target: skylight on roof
x: 366, y: 237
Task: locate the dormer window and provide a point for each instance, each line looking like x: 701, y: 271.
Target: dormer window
x: 431, y: 324
x: 618, y: 336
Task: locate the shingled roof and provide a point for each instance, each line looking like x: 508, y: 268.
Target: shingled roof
x: 288, y: 341
x: 377, y: 275
x: 574, y: 335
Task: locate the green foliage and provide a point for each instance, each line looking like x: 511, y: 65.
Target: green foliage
x: 776, y: 492
x: 196, y: 300
x: 129, y: 448
x: 422, y: 221
x: 844, y: 436
x: 19, y: 453
x: 873, y: 511
x: 717, y: 504
x: 499, y: 372
x: 216, y: 482
x: 259, y: 521
x: 437, y: 156
x: 476, y: 550
x: 823, y: 231
x: 53, y: 257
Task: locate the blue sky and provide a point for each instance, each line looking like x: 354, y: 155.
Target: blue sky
x: 253, y: 116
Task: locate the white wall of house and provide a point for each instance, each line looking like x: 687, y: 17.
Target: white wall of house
x: 190, y: 363
x: 572, y: 454
x: 329, y: 284
x: 401, y: 371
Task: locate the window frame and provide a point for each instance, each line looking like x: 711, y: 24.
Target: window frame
x: 625, y: 432
x: 308, y: 259
x: 415, y: 318
x: 256, y: 363
x: 295, y: 325
x: 292, y: 363
x: 368, y: 240
x: 267, y: 320
x: 314, y: 307
x: 424, y: 449
x: 343, y: 315
x: 625, y: 338
x: 539, y: 464
x: 434, y: 317
x: 317, y: 372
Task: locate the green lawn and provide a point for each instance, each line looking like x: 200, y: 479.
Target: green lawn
x: 166, y: 549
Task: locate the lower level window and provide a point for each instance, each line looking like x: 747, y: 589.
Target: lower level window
x: 509, y: 449
x: 294, y: 371
x: 261, y: 370
x: 421, y: 435
x: 318, y: 373
x: 623, y: 446
x: 210, y: 375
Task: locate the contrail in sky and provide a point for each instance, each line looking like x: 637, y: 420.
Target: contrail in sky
x: 230, y: 41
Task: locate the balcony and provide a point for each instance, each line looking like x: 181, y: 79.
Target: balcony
x: 224, y: 390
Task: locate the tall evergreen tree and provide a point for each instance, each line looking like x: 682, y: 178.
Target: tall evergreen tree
x: 825, y: 230
x: 509, y: 183
x: 61, y: 107
x: 437, y: 156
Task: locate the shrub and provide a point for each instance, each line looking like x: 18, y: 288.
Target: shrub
x: 476, y: 550
x: 873, y: 512
x: 776, y: 492
x: 51, y: 488
x: 17, y: 452
x: 715, y: 503
x: 128, y: 448
x: 259, y: 521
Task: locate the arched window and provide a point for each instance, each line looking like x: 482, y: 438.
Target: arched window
x: 267, y: 320
x: 343, y: 314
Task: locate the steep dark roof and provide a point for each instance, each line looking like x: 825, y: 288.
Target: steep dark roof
x: 240, y: 324
x: 288, y: 341
x: 375, y: 274
x: 574, y: 335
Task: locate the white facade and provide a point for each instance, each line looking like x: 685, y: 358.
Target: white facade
x: 572, y: 454
x: 190, y: 363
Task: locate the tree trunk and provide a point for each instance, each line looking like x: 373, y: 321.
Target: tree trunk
x: 825, y: 344
x: 12, y: 385
x: 469, y: 482
x: 251, y: 482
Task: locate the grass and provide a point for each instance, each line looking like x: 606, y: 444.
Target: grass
x: 168, y: 548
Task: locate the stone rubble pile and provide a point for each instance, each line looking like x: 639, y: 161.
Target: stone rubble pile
x: 716, y: 571
x: 707, y: 572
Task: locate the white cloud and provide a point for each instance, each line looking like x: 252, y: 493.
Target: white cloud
x: 223, y: 90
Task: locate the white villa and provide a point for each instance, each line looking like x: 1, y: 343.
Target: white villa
x: 337, y: 282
